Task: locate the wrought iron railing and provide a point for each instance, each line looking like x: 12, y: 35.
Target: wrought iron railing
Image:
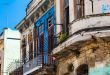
x: 18, y: 71
x: 60, y: 38
x: 14, y: 66
x: 32, y: 64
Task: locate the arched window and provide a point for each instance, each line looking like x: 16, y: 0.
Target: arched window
x: 82, y: 70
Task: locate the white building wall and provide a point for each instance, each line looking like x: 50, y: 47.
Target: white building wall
x: 88, y: 7
x: 99, y: 6
x: 11, y: 48
x: 71, y: 9
x: 89, y: 23
x: 59, y: 12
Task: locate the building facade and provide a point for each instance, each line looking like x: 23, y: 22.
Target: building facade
x: 10, y: 48
x: 66, y: 37
x: 1, y: 55
x: 37, y: 31
x: 84, y: 47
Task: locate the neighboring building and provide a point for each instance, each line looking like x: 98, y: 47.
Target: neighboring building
x: 37, y: 33
x: 1, y: 55
x: 11, y: 48
x: 84, y: 47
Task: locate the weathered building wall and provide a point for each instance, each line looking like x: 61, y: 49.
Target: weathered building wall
x: 90, y: 7
x: 32, y: 5
x: 95, y: 54
x: 59, y: 14
x: 99, y: 6
x: 90, y: 22
x: 72, y: 10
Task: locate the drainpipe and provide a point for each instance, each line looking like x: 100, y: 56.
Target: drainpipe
x: 92, y: 5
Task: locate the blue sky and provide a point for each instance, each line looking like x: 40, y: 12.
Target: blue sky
x: 12, y: 12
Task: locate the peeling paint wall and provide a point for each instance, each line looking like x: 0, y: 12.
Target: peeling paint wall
x: 101, y: 69
x: 99, y: 6
x: 105, y: 8
x: 96, y: 55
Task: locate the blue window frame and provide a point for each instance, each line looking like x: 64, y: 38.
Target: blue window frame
x: 43, y: 24
x: 40, y: 29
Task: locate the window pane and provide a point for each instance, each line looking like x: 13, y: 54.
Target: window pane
x: 40, y: 29
x: 50, y: 22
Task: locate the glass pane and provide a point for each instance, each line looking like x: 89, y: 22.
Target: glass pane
x: 40, y: 29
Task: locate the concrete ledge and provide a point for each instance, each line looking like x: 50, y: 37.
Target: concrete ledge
x: 89, y: 22
x: 32, y: 70
x: 80, y: 37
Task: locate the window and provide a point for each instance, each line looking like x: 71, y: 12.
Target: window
x: 50, y: 43
x: 30, y: 42
x: 66, y: 16
x: 21, y: 30
x: 40, y: 29
x: 40, y: 35
x: 30, y: 37
x: 30, y: 51
x: 35, y: 42
x: 50, y: 22
x: 24, y: 55
x: 79, y: 8
x: 23, y: 42
x: 26, y: 24
x: 66, y: 3
x: 24, y: 49
x: 42, y: 47
x: 37, y: 15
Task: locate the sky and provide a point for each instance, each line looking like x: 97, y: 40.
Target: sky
x: 12, y: 12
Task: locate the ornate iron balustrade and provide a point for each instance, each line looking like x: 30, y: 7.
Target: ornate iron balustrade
x: 32, y: 64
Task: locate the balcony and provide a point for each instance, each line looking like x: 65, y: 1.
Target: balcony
x: 32, y: 65
x: 96, y: 21
x: 82, y: 30
x: 18, y: 71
